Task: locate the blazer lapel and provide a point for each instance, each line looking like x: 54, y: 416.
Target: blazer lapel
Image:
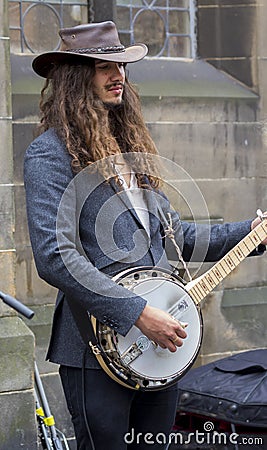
x: 151, y: 201
x: 122, y: 195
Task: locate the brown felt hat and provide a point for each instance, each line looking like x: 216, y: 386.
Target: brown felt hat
x: 93, y: 40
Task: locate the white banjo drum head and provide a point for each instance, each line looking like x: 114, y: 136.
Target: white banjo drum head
x: 164, y: 291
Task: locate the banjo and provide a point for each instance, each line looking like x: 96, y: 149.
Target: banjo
x: 138, y: 363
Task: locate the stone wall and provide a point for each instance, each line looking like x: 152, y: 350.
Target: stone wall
x: 17, y: 405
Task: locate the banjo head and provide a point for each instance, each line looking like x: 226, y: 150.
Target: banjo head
x: 134, y: 356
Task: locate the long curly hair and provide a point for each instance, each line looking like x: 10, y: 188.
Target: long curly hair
x: 90, y: 130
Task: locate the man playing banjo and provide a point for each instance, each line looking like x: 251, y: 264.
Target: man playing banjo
x: 93, y: 201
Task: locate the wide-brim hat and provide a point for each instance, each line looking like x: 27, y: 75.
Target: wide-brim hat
x: 93, y: 40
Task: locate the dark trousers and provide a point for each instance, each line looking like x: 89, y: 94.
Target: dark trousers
x: 119, y: 418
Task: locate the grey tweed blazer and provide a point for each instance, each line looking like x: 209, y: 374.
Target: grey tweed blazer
x: 83, y: 231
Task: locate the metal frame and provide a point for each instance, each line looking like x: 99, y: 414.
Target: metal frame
x: 163, y: 11
x: 94, y: 8
x: 24, y: 44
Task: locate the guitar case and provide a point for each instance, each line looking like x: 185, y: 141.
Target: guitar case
x: 230, y: 393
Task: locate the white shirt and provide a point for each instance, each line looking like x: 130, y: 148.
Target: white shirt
x: 136, y: 198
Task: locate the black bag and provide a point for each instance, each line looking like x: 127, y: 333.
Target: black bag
x: 232, y: 389
x: 227, y: 395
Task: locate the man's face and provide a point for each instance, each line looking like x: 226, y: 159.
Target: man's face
x: 108, y: 81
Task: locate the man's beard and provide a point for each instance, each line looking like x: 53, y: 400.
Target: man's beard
x: 113, y: 107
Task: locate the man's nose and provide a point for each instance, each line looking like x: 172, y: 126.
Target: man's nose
x: 117, y: 72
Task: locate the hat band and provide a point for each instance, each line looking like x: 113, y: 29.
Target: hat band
x: 115, y: 49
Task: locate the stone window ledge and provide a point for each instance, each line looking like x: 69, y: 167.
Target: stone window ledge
x: 165, y: 77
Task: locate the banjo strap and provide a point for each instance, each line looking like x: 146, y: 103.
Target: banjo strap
x: 84, y: 324
x: 170, y: 233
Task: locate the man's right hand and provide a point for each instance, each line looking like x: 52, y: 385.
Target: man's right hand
x: 161, y: 328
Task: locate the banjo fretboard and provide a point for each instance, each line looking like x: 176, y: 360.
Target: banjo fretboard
x: 203, y: 285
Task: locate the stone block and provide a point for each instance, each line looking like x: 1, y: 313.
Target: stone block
x: 7, y: 284
x: 233, y: 199
x: 6, y: 156
x: 226, y: 31
x: 25, y: 107
x: 261, y: 186
x: 220, y: 198
x: 249, y: 273
x: 23, y: 135
x: 5, y: 83
x: 241, y: 69
x: 262, y: 67
x: 22, y: 238
x: 16, y: 355
x: 194, y: 110
x: 6, y: 217
x: 30, y: 287
x: 262, y: 189
x: 245, y: 311
x: 232, y: 327
x: 18, y: 425
x: 40, y: 325
x: 3, y: 19
x: 208, y: 150
x: 261, y: 31
x: 256, y: 295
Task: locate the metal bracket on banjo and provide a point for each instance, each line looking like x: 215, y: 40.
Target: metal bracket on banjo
x: 95, y: 349
x: 135, y: 350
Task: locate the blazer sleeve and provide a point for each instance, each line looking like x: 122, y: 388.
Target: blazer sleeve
x: 203, y: 242
x: 47, y: 174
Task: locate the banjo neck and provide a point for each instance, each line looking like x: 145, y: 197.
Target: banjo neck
x: 204, y: 284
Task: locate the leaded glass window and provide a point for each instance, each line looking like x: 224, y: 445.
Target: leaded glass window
x: 166, y: 26
x: 34, y: 25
